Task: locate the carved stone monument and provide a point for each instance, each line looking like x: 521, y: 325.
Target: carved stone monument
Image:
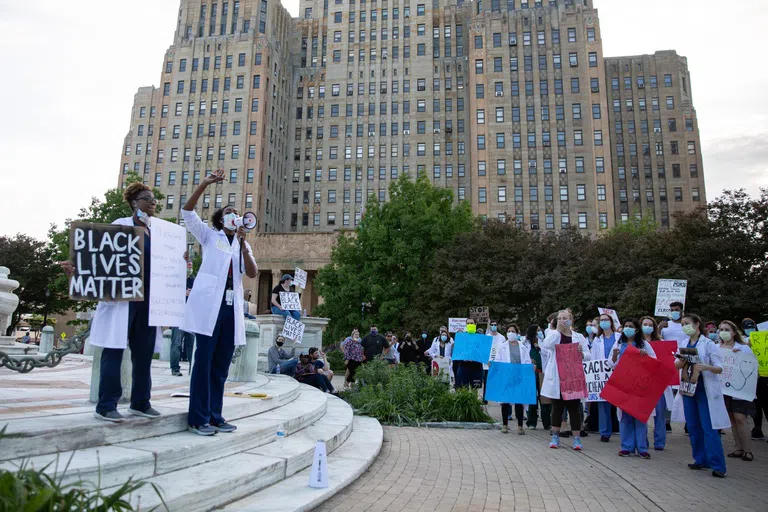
x: 8, y: 304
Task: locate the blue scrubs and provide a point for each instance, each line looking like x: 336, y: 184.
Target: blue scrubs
x: 605, y: 419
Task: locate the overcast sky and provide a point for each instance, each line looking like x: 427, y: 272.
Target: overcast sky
x: 70, y: 70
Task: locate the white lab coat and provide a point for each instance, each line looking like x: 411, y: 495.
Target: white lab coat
x: 206, y: 296
x: 500, y: 347
x: 434, y: 353
x: 109, y: 328
x: 709, y: 353
x: 550, y: 388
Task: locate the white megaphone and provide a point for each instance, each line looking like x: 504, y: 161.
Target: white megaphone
x: 247, y: 221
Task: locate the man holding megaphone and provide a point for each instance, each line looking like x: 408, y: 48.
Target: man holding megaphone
x: 215, y: 305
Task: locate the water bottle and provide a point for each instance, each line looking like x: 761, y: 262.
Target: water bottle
x: 305, y: 312
x: 280, y: 438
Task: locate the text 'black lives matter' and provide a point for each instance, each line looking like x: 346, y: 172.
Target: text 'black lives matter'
x: 108, y: 261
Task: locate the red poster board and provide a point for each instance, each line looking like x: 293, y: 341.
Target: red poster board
x: 637, y: 384
x: 573, y: 383
x: 665, y: 352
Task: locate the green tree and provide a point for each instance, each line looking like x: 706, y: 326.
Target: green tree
x: 386, y: 263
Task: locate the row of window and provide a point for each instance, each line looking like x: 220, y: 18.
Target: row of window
x: 202, y: 110
x: 234, y: 153
x: 228, y: 63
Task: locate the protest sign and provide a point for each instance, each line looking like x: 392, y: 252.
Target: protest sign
x: 293, y: 329
x: 611, y: 313
x: 739, y: 377
x: 636, y: 385
x: 665, y: 352
x: 441, y: 367
x: 290, y: 301
x: 472, y: 347
x: 300, y: 278
x: 168, y: 274
x: 573, y: 384
x: 108, y: 261
x: 689, y: 375
x: 457, y: 324
x: 762, y: 326
x: 596, y: 373
x: 759, y: 342
x: 509, y: 383
x: 480, y: 314
x: 668, y: 291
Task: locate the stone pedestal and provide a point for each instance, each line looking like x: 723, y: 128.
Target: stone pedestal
x: 126, y: 378
x: 46, y: 340
x: 165, y: 349
x: 246, y: 366
x: 272, y: 325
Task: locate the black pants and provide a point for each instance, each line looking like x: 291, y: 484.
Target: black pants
x: 506, y: 411
x: 761, y: 402
x: 533, y: 410
x: 573, y: 407
x: 315, y: 380
x: 352, y: 367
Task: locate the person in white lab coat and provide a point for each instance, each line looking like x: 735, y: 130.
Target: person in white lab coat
x: 738, y: 410
x: 214, y: 309
x: 441, y: 350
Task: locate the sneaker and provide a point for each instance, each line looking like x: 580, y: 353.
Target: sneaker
x: 584, y: 433
x: 176, y: 373
x: 669, y: 427
x: 555, y: 442
x: 565, y: 434
x: 113, y: 416
x: 645, y: 455
x: 149, y: 413
x: 520, y: 431
x: 203, y: 430
x: 605, y: 439
x: 505, y: 429
x: 696, y: 467
x: 531, y: 427
x: 624, y: 453
x: 757, y: 434
x: 718, y: 474
x: 577, y: 444
x: 224, y: 427
x: 658, y: 448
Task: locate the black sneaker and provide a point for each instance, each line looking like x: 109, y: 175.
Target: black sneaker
x: 565, y: 434
x: 669, y: 427
x: 605, y: 439
x: 718, y: 474
x: 149, y: 413
x: 584, y: 433
x: 176, y: 373
x: 112, y: 416
x: 203, y: 430
x: 757, y: 434
x: 224, y: 427
x: 695, y: 466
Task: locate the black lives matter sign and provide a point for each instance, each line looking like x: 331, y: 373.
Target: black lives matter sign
x: 108, y: 261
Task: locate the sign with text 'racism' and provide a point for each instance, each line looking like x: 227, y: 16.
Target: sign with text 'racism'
x: 108, y: 261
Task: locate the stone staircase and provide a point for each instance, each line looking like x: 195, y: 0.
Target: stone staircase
x: 245, y: 470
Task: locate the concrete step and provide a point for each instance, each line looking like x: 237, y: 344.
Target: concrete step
x: 30, y: 437
x: 210, y: 484
x: 345, y: 464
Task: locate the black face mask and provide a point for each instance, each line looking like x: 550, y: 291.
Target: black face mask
x: 279, y: 343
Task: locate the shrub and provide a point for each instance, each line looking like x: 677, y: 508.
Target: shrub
x: 405, y: 395
x: 336, y: 360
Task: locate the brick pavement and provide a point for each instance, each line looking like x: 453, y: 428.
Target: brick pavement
x: 461, y: 470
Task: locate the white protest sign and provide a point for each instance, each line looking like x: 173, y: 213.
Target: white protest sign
x: 762, y: 326
x: 290, y: 301
x: 668, y: 291
x: 441, y: 367
x: 168, y: 274
x: 300, y: 278
x: 293, y: 329
x: 611, y: 313
x: 457, y: 324
x: 739, y: 377
x: 597, y: 373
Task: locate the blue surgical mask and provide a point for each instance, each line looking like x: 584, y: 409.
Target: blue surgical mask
x: 443, y: 337
x: 605, y: 325
x: 493, y: 328
x: 748, y: 331
x: 590, y: 330
x: 423, y: 335
x: 567, y: 323
x: 647, y: 329
x: 540, y: 335
x: 675, y: 315
x: 143, y: 217
x: 713, y: 336
x: 629, y: 332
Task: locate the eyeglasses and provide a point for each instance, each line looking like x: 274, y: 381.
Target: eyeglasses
x: 149, y: 199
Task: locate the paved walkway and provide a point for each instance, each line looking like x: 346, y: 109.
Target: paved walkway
x: 464, y: 470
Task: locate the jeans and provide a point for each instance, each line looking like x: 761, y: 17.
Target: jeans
x: 286, y: 367
x: 316, y: 380
x: 604, y: 419
x: 660, y: 425
x: 179, y: 337
x: 209, y: 373
x: 633, y: 433
x: 141, y: 340
x: 706, y: 445
x: 285, y: 313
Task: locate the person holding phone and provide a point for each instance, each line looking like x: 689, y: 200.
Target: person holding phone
x: 210, y: 313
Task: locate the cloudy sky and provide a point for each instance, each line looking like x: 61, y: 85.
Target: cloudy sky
x: 70, y: 70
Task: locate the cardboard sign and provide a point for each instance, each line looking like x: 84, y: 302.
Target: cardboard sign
x: 457, y: 325
x: 611, y: 313
x: 573, y: 384
x: 739, y: 375
x: 636, y: 385
x: 293, y: 329
x: 300, y: 278
x: 596, y: 373
x: 168, y: 274
x: 689, y: 375
x: 480, y: 314
x: 108, y: 260
x: 441, y: 367
x: 290, y: 301
x: 667, y: 292
x: 665, y: 352
x: 759, y: 342
x: 472, y: 347
x: 510, y: 383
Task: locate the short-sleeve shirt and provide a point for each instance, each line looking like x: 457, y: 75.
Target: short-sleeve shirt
x: 279, y: 288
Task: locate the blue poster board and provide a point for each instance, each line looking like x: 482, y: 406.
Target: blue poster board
x: 510, y: 383
x: 472, y: 347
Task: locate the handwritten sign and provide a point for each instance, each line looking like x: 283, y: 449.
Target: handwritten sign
x: 108, y: 260
x: 759, y: 342
x: 457, y: 325
x: 480, y: 314
x: 168, y: 274
x: 739, y: 377
x: 472, y: 347
x: 636, y: 385
x: 441, y: 368
x: 300, y: 278
x: 689, y: 375
x: 665, y: 352
x: 667, y: 292
x: 611, y: 313
x: 596, y: 373
x: 293, y: 329
x: 511, y: 383
x: 290, y: 301
x: 573, y: 384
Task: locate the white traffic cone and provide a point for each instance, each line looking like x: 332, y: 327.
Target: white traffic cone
x: 318, y: 475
